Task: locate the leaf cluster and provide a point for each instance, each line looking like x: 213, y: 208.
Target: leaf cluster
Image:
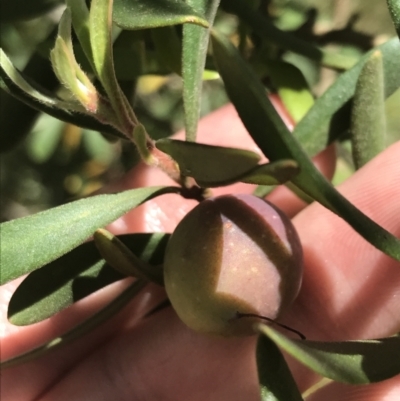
x: 255, y: 59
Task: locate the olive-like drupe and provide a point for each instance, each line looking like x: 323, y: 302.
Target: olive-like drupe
x: 232, y: 256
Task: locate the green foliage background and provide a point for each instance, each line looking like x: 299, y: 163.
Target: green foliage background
x: 54, y: 163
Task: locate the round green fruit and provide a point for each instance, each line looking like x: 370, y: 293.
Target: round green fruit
x: 231, y: 256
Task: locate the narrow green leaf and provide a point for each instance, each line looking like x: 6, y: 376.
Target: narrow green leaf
x: 122, y: 259
x: 15, y: 83
x: 276, y: 381
x: 368, y: 120
x: 63, y: 64
x: 330, y: 115
x: 80, y: 22
x: 276, y: 142
x: 100, y: 26
x: 263, y: 190
x: 274, y: 173
x: 265, y: 28
x: 77, y: 332
x: 68, y: 70
x: 292, y: 88
x: 48, y: 235
x: 209, y: 165
x: 140, y: 138
x: 79, y: 273
x: 194, y: 52
x: 394, y: 9
x: 142, y: 14
x: 353, y: 362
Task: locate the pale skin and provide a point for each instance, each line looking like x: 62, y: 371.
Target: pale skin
x: 350, y: 291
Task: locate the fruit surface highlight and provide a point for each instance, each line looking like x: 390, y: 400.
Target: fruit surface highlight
x: 232, y: 255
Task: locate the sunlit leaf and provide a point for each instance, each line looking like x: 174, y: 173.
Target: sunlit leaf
x: 276, y: 142
x: 33, y: 241
x: 74, y: 276
x: 17, y: 118
x: 368, y: 119
x: 140, y: 14
x: 353, y: 362
x: 330, y: 115
x: 195, y: 44
x: 100, y: 26
x: 211, y: 165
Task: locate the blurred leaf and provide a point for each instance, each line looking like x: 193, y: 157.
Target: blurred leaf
x: 74, y: 276
x: 330, y: 115
x: 30, y: 93
x: 141, y: 14
x: 392, y: 107
x: 16, y: 118
x: 77, y: 332
x: 194, y: 52
x: 276, y: 142
x: 276, y: 381
x: 48, y: 235
x: 394, y: 9
x: 353, y: 362
x: 17, y: 10
x: 97, y: 147
x: 100, y: 25
x: 209, y: 165
x: 292, y: 88
x: 168, y: 47
x: 44, y: 138
x: 262, y: 191
x: 368, y: 120
x: 209, y: 75
x: 265, y: 28
x: 272, y: 173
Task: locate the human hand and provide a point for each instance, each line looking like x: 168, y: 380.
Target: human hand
x: 350, y: 291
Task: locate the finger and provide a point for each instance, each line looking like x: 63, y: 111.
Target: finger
x: 353, y: 284
x: 162, y: 359
x: 350, y: 289
x: 27, y: 381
